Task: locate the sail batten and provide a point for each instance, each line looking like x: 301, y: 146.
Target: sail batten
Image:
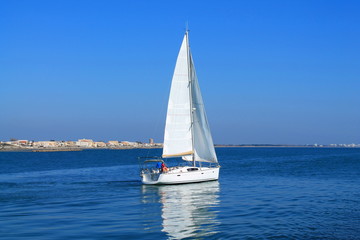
x: 187, y: 132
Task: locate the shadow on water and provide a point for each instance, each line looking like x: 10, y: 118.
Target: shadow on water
x: 187, y: 210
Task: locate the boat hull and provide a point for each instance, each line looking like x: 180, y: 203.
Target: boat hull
x: 181, y: 175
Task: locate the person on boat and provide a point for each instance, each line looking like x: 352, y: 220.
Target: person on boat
x: 158, y: 166
x: 164, y: 168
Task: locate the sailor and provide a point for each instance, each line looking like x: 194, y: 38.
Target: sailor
x: 158, y: 165
x: 164, y: 168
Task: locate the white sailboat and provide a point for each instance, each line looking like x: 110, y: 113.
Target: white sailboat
x: 187, y: 133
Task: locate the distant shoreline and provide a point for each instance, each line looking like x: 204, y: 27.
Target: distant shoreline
x: 68, y: 149
x: 59, y: 149
x: 64, y: 149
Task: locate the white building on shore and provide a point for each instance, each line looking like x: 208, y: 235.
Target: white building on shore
x: 85, y: 143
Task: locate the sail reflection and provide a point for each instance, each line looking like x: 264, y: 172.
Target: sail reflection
x: 189, y: 210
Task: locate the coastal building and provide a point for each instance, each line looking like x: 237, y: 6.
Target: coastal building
x: 130, y: 144
x: 23, y: 142
x: 70, y: 144
x: 18, y: 142
x: 45, y: 144
x: 100, y: 144
x: 86, y: 143
x: 113, y: 144
x: 125, y: 143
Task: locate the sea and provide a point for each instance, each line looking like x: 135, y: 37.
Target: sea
x: 262, y: 193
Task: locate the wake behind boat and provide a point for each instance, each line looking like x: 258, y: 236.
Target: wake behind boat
x: 187, y: 133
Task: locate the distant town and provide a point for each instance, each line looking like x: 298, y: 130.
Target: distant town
x: 81, y: 144
x: 53, y: 145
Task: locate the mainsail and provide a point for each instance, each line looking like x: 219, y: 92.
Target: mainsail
x: 178, y: 134
x: 187, y: 132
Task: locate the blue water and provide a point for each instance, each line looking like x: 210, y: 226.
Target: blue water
x: 263, y: 193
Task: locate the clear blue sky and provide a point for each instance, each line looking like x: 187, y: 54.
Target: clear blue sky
x: 270, y: 71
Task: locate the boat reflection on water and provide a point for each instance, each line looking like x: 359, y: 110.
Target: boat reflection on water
x: 188, y: 210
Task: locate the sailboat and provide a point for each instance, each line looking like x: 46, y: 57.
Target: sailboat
x: 187, y: 133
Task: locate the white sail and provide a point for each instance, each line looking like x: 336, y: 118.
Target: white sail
x: 203, y: 143
x: 178, y: 134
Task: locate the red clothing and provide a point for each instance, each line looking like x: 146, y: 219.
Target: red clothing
x: 164, y: 168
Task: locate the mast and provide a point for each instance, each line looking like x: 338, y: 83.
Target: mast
x: 190, y: 96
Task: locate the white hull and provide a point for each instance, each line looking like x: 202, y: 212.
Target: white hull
x: 178, y: 175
